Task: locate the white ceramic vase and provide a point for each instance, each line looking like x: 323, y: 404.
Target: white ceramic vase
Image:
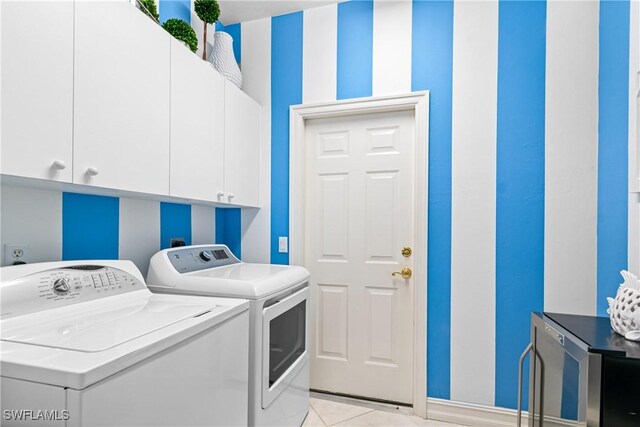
x: 223, y: 59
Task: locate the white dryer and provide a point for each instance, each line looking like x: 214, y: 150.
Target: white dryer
x: 278, y: 294
x: 87, y: 344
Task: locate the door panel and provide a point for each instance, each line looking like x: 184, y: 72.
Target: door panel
x: 334, y: 195
x: 121, y: 98
x: 358, y: 216
x: 242, y: 147
x: 197, y: 126
x: 37, y: 89
x: 380, y: 232
x: 332, y: 321
x: 381, y: 308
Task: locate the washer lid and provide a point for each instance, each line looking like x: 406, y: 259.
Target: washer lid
x: 250, y: 281
x: 99, y: 325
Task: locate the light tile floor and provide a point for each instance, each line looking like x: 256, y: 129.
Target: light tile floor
x: 326, y: 411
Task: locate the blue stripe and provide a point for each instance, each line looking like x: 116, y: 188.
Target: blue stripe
x: 180, y: 9
x: 90, y: 226
x: 355, y: 49
x: 235, y: 31
x: 175, y: 222
x: 228, y: 229
x: 613, y: 93
x: 520, y: 185
x: 286, y: 90
x: 432, y: 69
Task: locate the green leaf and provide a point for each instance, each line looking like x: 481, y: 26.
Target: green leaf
x: 207, y: 10
x: 181, y: 30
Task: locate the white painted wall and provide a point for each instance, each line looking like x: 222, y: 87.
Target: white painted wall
x: 203, y: 225
x: 571, y: 150
x: 256, y: 70
x: 473, y: 202
x: 32, y: 217
x: 139, y: 231
x: 391, y: 47
x: 319, y: 57
x: 634, y: 138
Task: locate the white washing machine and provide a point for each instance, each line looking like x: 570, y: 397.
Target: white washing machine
x: 278, y: 294
x: 87, y: 344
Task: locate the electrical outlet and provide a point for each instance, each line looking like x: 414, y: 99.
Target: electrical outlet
x: 176, y: 242
x: 15, y: 252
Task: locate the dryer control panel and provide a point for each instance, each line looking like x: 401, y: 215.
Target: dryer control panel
x: 196, y: 258
x: 63, y: 286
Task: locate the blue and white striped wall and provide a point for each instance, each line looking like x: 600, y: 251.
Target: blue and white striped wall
x: 70, y: 226
x: 528, y: 139
x: 528, y: 188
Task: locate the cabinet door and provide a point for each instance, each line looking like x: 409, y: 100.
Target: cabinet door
x: 121, y: 109
x: 37, y: 89
x: 197, y: 126
x: 242, y: 147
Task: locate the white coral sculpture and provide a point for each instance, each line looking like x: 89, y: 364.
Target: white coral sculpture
x: 624, y: 309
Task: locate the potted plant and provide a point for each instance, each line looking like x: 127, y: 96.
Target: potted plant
x: 182, y: 31
x: 209, y: 12
x: 149, y: 8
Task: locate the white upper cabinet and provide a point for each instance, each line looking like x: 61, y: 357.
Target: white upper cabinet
x: 121, y: 98
x: 96, y: 93
x: 197, y: 126
x: 37, y: 89
x: 242, y: 147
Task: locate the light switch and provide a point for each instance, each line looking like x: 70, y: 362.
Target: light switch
x: 283, y: 245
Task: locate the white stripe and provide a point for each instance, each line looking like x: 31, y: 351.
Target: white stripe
x: 256, y: 81
x: 32, y: 217
x: 391, y: 47
x: 139, y: 231
x: 319, y: 56
x: 634, y: 137
x: 203, y: 225
x: 571, y: 150
x: 473, y: 216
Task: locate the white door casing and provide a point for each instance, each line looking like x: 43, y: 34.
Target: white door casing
x: 364, y: 182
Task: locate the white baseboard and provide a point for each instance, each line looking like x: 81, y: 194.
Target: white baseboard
x: 469, y: 414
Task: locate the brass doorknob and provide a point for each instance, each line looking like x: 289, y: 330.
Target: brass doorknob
x: 406, y: 273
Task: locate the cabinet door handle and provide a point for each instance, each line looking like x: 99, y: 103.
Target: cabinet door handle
x: 220, y: 194
x: 91, y: 171
x: 539, y: 356
x: 59, y: 165
x: 231, y: 196
x: 520, y: 364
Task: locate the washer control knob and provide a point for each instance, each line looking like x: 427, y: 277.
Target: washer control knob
x: 61, y: 286
x: 205, y: 255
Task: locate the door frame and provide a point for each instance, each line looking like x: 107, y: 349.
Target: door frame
x: 418, y: 102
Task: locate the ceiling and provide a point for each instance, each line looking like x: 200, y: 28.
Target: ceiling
x: 233, y: 11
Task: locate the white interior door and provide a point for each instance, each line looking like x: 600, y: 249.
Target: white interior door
x: 359, y: 215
